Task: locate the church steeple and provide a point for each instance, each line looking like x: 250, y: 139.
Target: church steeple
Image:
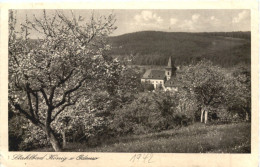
x: 170, y: 63
x: 168, y: 69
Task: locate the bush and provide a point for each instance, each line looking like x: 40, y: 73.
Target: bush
x: 147, y: 87
x: 150, y: 112
x: 181, y: 120
x: 16, y: 133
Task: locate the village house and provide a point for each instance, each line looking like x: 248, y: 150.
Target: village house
x: 161, y: 78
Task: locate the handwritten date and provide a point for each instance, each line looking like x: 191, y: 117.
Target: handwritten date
x: 145, y: 158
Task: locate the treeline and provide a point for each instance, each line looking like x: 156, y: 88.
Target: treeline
x: 154, y: 48
x: 226, y: 49
x: 235, y: 34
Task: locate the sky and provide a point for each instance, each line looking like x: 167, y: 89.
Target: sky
x: 170, y: 20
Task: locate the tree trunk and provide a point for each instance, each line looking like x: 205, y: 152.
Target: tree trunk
x: 247, y: 111
x: 201, y: 116
x: 74, y: 138
x: 63, y: 139
x: 206, y: 117
x: 247, y: 116
x: 53, y: 139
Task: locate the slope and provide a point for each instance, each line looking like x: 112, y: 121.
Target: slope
x: 154, y: 48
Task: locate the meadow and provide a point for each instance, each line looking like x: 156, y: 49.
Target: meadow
x: 195, y: 138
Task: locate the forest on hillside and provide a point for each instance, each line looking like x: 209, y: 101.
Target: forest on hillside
x: 226, y: 49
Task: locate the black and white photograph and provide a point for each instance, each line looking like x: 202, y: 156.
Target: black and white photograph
x: 129, y: 80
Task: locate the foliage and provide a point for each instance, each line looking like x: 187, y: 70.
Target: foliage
x: 61, y: 68
x: 147, y: 87
x: 187, y: 104
x: 151, y: 111
x: 89, y: 120
x: 34, y: 138
x: 67, y: 88
x: 239, y: 94
x: 204, y: 86
x: 22, y: 135
x: 16, y: 132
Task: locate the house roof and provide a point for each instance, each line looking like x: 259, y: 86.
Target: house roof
x: 146, y: 74
x: 154, y: 74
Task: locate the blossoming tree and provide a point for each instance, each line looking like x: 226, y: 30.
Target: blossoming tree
x: 54, y: 72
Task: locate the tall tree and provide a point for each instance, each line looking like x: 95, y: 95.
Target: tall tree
x: 48, y: 75
x: 239, y: 94
x: 207, y: 82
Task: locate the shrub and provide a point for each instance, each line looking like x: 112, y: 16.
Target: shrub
x: 147, y: 87
x: 181, y: 120
x: 150, y: 112
x: 34, y: 138
x: 16, y: 132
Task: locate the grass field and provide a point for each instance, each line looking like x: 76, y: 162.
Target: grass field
x: 196, y: 138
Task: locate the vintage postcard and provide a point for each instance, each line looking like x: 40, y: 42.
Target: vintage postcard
x: 130, y: 84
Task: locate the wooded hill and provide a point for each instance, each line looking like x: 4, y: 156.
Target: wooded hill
x: 154, y: 48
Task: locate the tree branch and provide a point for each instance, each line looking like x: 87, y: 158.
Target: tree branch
x: 36, y: 104
x: 45, y: 96
x: 59, y: 83
x: 66, y: 78
x: 22, y: 111
x: 70, y: 91
x: 63, y: 107
x: 30, y: 103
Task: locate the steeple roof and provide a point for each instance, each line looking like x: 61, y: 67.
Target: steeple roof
x: 169, y: 63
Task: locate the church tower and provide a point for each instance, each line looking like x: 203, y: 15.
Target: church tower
x: 168, y: 69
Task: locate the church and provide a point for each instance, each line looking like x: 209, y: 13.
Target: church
x: 161, y: 78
